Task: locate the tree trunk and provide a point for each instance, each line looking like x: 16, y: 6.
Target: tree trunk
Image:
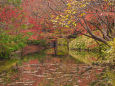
x: 55, y: 47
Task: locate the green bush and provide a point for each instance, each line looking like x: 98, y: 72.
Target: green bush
x: 37, y: 42
x: 11, y: 43
x: 107, y: 53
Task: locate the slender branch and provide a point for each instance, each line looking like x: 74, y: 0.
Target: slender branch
x: 90, y: 32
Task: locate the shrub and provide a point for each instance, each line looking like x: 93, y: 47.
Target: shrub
x: 11, y: 43
x: 37, y: 42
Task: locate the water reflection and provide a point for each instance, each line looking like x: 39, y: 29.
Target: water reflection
x: 84, y: 56
x: 47, y: 70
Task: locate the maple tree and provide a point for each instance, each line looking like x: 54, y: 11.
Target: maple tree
x: 12, y: 23
x: 40, y: 12
x: 89, y: 15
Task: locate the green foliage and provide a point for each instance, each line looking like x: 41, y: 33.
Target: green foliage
x: 6, y: 65
x: 62, y: 50
x: 84, y: 56
x: 82, y: 42
x: 112, y: 44
x: 10, y: 43
x: 37, y: 42
x: 15, y: 2
x: 62, y: 41
x: 62, y: 47
x: 107, y: 57
x: 24, y: 26
x: 108, y: 53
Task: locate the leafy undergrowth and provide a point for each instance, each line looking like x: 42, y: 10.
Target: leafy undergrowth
x: 83, y: 42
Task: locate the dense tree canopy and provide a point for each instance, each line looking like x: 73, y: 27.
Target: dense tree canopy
x: 87, y: 16
x: 46, y: 19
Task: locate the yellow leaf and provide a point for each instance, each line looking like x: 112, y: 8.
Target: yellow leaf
x: 57, y: 17
x: 66, y: 26
x: 74, y: 12
x: 82, y: 14
x: 67, y: 16
x: 75, y: 24
x: 69, y: 22
x: 69, y: 5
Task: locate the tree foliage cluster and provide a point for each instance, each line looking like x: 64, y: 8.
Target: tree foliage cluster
x: 12, y: 22
x: 59, y: 18
x: 87, y: 16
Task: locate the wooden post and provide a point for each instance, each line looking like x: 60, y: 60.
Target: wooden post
x: 55, y: 47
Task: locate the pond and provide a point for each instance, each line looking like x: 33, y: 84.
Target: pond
x: 44, y: 69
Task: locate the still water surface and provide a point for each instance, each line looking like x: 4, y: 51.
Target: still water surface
x: 74, y: 69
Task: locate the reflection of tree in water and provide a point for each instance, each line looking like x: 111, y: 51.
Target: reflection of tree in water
x: 58, y: 71
x: 83, y: 56
x: 106, y: 77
